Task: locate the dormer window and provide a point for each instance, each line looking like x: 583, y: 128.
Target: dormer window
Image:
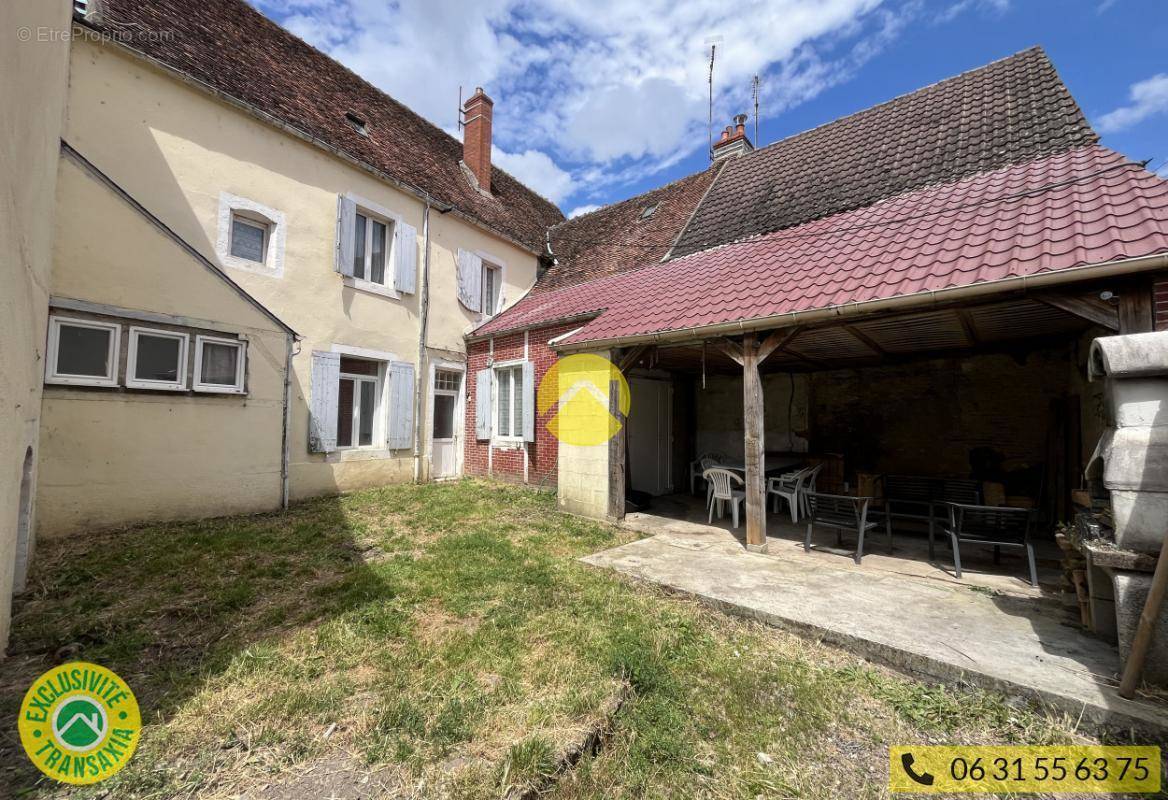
x: 357, y: 122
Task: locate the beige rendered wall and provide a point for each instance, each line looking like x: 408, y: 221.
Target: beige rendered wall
x: 583, y: 472
x: 33, y: 76
x: 176, y: 148
x: 112, y: 456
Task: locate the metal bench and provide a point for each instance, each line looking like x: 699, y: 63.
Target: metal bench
x: 844, y: 513
x: 999, y: 526
x: 924, y: 499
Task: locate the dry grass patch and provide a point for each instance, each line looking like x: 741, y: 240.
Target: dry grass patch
x: 445, y: 641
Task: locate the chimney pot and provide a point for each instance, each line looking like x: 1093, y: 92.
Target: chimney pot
x: 733, y: 140
x: 476, y: 137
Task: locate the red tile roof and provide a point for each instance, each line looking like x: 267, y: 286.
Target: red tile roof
x: 1008, y: 112
x: 624, y: 235
x: 1084, y: 206
x: 236, y: 50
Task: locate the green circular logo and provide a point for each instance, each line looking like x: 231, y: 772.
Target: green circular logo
x: 79, y: 723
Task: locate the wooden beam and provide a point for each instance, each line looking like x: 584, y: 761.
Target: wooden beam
x: 630, y: 357
x: 865, y: 340
x: 755, y: 445
x: 1135, y: 308
x: 777, y: 341
x: 968, y: 326
x: 730, y: 349
x: 617, y: 467
x: 1091, y: 309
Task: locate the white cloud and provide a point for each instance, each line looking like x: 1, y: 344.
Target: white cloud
x: 537, y: 170
x: 587, y: 208
x: 1148, y: 98
x: 592, y: 94
x: 1163, y: 171
x: 961, y: 6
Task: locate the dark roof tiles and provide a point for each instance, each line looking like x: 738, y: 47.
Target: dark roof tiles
x: 1085, y: 206
x: 1008, y: 112
x: 236, y: 50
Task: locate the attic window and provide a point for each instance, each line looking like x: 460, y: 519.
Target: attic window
x: 80, y: 7
x: 648, y: 211
x: 358, y: 122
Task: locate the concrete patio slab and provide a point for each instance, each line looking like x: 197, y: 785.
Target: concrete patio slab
x: 1018, y: 643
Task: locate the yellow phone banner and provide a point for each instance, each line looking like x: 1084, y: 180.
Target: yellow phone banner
x: 1025, y: 769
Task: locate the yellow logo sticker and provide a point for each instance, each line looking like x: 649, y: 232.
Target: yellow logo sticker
x: 79, y: 723
x: 1024, y: 769
x: 578, y: 387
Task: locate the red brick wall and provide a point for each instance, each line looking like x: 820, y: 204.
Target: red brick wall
x: 1160, y: 303
x: 507, y: 463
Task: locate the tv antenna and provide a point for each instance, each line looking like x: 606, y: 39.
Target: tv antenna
x: 713, y: 42
x: 754, y: 88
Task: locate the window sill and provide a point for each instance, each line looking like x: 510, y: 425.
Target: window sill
x: 362, y: 285
x: 507, y: 444
x: 100, y: 382
x: 362, y: 454
x: 247, y: 265
x: 219, y: 390
x: 155, y: 387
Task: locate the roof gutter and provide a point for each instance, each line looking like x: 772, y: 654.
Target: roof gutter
x: 920, y: 300
x: 442, y: 206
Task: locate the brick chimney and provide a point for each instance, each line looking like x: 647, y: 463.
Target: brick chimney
x: 476, y: 137
x: 733, y: 141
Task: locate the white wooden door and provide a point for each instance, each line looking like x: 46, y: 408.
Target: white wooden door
x: 444, y: 428
x: 651, y: 436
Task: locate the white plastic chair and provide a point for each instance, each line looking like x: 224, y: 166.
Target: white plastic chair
x: 698, y: 466
x: 809, y: 486
x: 708, y: 462
x: 721, y: 483
x: 789, y: 487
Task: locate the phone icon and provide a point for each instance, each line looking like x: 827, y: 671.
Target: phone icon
x: 923, y: 778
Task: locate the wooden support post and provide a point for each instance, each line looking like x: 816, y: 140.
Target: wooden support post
x: 755, y: 462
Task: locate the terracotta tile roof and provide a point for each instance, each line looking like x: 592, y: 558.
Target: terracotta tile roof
x: 235, y: 49
x: 1009, y: 112
x: 1084, y: 206
x: 624, y: 235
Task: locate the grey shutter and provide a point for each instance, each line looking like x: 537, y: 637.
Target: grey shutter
x: 346, y: 226
x: 483, y: 389
x: 322, y: 418
x: 405, y: 257
x: 528, y: 401
x: 401, y: 405
x: 470, y: 280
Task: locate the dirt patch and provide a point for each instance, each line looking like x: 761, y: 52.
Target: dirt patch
x: 338, y: 776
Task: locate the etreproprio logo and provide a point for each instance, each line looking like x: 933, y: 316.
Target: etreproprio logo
x: 79, y: 723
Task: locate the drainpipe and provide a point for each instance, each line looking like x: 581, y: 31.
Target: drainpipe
x: 423, y: 322
x: 291, y: 349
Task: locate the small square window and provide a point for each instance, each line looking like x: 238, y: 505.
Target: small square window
x: 219, y: 365
x: 82, y: 352
x: 157, y: 360
x: 249, y: 239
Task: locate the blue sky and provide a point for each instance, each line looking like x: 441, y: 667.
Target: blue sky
x: 599, y: 101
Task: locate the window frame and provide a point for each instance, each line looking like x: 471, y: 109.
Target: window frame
x: 388, y: 268
x: 378, y: 425
x: 498, y: 272
x: 253, y: 220
x: 113, y: 356
x: 240, y: 366
x: 132, y: 382
x: 232, y: 207
x: 515, y: 371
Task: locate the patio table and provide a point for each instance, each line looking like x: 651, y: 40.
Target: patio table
x: 773, y: 463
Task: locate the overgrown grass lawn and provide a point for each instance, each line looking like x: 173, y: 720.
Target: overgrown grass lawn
x: 444, y: 641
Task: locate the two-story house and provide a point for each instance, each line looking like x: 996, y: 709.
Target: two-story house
x: 379, y: 238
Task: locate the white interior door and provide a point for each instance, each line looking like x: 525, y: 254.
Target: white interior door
x: 444, y: 427
x: 650, y: 436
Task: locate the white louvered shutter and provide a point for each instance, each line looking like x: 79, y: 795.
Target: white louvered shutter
x: 528, y: 401
x: 346, y: 226
x: 470, y: 280
x: 483, y: 387
x: 401, y: 410
x: 322, y: 418
x: 405, y: 258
